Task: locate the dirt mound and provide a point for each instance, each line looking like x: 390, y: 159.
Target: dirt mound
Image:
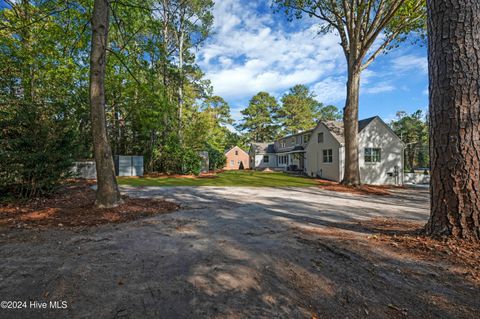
x: 73, y: 205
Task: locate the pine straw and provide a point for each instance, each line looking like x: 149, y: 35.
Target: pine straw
x: 361, y: 190
x: 73, y: 205
x: 409, y: 238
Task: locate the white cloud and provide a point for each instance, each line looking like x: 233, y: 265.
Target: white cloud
x: 410, y: 62
x: 380, y: 87
x: 331, y: 90
x: 250, y: 53
x: 253, y: 50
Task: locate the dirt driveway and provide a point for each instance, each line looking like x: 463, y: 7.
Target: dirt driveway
x: 236, y: 253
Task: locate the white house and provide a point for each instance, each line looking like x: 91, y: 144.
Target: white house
x: 319, y: 152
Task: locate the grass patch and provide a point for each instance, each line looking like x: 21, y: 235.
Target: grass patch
x: 228, y: 178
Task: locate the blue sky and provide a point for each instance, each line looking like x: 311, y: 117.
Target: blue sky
x: 253, y: 49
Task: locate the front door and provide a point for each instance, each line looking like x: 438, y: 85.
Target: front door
x: 301, y: 162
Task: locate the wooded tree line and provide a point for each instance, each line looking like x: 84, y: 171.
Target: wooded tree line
x: 157, y: 101
x: 265, y: 119
x: 135, y: 62
x: 413, y: 130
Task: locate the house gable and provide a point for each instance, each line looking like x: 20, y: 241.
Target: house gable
x: 235, y: 148
x: 377, y: 121
x: 315, y: 165
x: 321, y: 127
x: 389, y: 155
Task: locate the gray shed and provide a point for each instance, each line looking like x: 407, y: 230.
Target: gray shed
x: 128, y: 165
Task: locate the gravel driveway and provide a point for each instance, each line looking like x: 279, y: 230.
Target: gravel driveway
x: 231, y: 252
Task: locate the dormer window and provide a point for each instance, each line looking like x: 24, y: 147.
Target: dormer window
x: 320, y: 137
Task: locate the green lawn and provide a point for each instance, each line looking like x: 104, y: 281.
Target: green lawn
x: 228, y: 178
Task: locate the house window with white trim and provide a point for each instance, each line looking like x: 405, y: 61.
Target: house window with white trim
x: 372, y: 155
x: 328, y: 156
x: 232, y: 163
x: 266, y: 158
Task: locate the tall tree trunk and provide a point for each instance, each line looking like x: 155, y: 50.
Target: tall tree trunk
x: 180, y: 88
x: 454, y: 69
x: 350, y: 124
x: 28, y: 78
x: 107, y: 190
x: 411, y: 158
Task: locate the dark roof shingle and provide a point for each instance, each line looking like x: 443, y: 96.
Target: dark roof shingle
x: 336, y: 128
x: 263, y: 148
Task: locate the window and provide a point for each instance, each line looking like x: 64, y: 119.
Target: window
x: 236, y: 152
x: 320, y: 137
x: 299, y: 139
x: 306, y: 138
x: 372, y: 155
x: 232, y: 163
x: 328, y: 156
x: 293, y: 140
x: 239, y: 162
x: 265, y: 158
x: 283, y: 143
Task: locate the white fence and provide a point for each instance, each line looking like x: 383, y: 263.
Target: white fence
x: 416, y: 178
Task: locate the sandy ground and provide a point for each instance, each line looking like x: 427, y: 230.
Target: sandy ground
x: 237, y: 253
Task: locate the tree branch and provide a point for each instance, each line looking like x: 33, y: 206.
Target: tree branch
x: 123, y: 63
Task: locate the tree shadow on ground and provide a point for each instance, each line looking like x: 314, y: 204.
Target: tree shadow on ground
x: 223, y: 256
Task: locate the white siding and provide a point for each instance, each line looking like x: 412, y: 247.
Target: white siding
x: 314, y: 155
x: 259, y: 163
x: 377, y: 135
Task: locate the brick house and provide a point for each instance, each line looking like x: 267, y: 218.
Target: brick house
x: 235, y: 156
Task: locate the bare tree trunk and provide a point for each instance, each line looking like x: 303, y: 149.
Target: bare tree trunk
x: 28, y: 78
x: 350, y: 124
x: 454, y: 69
x: 107, y: 194
x: 411, y: 158
x: 180, y: 88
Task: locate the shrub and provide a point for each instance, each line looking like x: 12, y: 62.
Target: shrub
x: 216, y: 158
x: 36, y: 149
x: 192, y: 162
